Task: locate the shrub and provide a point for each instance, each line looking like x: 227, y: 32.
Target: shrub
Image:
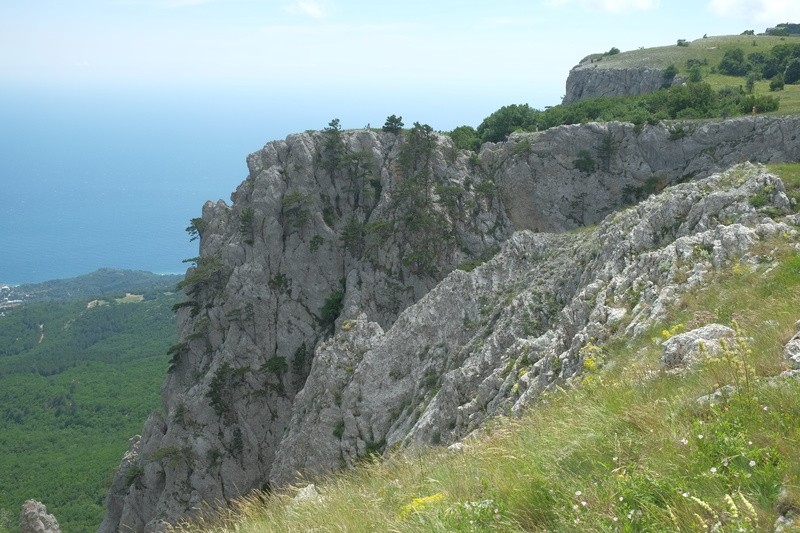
x: 762, y: 104
x: 792, y: 72
x: 195, y: 228
x: 295, y: 208
x: 246, y: 218
x: 777, y: 83
x: 393, y: 124
x: 276, y: 365
x: 733, y: 63
x: 506, y: 120
x: 584, y: 162
x: 465, y: 138
x: 669, y: 74
x: 331, y: 309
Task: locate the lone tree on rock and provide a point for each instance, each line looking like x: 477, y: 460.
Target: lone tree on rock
x: 393, y: 124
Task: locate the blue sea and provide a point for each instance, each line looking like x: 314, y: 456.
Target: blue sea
x: 91, y: 180
x: 95, y: 178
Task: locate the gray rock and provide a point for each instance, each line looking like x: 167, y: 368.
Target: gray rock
x: 306, y: 495
x: 592, y: 79
x: 325, y: 321
x: 792, y: 351
x: 686, y: 349
x: 487, y: 342
x: 34, y: 519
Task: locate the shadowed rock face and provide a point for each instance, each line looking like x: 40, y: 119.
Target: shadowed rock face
x: 324, y: 320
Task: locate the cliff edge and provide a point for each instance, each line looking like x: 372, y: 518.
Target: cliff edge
x: 338, y: 308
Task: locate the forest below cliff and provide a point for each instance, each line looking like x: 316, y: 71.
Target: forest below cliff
x: 81, y: 362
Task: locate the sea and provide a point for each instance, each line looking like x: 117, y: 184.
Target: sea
x: 110, y: 177
x: 94, y: 180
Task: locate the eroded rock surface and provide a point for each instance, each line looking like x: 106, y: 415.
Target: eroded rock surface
x: 324, y: 319
x: 592, y: 79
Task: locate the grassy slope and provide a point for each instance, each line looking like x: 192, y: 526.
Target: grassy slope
x: 712, y: 49
x: 628, y: 449
x: 69, y: 405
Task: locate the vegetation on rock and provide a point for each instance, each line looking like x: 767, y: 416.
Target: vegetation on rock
x: 628, y: 446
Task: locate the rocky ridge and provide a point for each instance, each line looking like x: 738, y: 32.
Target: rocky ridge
x: 324, y: 320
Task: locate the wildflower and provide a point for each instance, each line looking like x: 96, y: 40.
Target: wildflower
x: 732, y: 509
x: 713, y: 469
x: 684, y: 441
x: 765, y: 408
x: 749, y: 443
x: 575, y: 507
x: 578, y: 493
x: 583, y: 503
x: 700, y: 436
x: 685, y: 494
x: 724, y: 462
x: 748, y: 506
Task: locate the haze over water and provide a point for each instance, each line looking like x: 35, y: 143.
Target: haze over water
x: 91, y: 180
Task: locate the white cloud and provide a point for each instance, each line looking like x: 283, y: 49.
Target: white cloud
x: 611, y: 6
x: 309, y: 8
x: 765, y: 12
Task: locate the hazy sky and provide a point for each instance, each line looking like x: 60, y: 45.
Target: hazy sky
x: 517, y: 50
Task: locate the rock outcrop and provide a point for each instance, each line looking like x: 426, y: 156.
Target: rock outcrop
x: 487, y: 342
x: 593, y: 78
x: 687, y: 349
x: 324, y: 319
x: 34, y: 518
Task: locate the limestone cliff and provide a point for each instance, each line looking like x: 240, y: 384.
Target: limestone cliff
x: 593, y: 78
x: 324, y: 319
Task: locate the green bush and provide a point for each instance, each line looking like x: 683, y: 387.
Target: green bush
x: 777, y: 83
x: 669, y: 75
x: 276, y: 365
x: 331, y: 309
x: 465, y: 138
x: 393, y: 124
x: 506, y: 120
x: 584, y: 162
x: 792, y: 73
x: 733, y: 63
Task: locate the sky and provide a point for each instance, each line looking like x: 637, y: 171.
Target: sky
x: 120, y: 118
x: 444, y: 57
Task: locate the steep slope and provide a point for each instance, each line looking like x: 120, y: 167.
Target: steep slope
x: 345, y: 231
x: 487, y: 342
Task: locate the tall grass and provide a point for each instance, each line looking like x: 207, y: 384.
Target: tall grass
x: 629, y: 448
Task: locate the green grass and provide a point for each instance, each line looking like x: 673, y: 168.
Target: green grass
x: 628, y: 449
x: 712, y: 49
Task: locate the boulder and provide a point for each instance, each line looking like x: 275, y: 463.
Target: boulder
x: 35, y: 519
x: 686, y: 349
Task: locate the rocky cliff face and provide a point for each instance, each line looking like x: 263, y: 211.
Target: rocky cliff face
x: 591, y: 78
x: 325, y: 321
